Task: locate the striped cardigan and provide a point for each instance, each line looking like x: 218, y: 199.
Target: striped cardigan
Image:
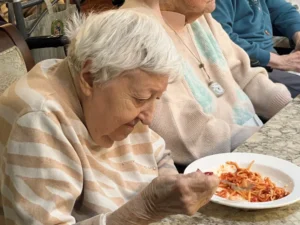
x: 51, y: 170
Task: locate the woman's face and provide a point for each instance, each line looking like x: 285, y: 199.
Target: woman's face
x: 114, y: 108
x: 193, y: 8
x: 201, y: 6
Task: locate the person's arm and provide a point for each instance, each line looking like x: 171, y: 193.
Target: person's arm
x: 284, y: 17
x: 224, y: 14
x: 267, y: 97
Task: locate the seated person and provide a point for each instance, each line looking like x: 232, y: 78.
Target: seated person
x: 214, y: 108
x: 74, y: 142
x: 250, y: 23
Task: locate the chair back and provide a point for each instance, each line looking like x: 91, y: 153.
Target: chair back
x: 15, y: 57
x: 96, y: 5
x: 2, y: 21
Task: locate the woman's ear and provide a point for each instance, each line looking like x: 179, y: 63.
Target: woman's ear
x: 86, y: 80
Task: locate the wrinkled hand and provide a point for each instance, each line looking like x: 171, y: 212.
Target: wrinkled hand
x: 164, y: 196
x: 179, y: 194
x: 289, y: 62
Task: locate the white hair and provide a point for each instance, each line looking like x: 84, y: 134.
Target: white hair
x: 121, y: 40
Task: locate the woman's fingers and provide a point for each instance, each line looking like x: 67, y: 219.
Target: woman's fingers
x: 180, y: 193
x: 203, y: 185
x: 207, y: 179
x: 196, y: 190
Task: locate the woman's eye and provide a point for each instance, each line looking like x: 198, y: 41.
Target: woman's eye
x: 141, y: 100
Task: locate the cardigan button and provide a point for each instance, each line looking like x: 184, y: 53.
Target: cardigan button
x: 267, y: 32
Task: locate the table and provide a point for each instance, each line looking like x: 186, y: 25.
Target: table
x: 279, y: 137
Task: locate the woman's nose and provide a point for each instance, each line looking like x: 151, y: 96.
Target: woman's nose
x: 146, y: 115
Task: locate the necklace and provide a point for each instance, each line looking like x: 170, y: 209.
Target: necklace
x: 215, y: 87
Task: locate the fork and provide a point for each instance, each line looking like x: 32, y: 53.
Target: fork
x: 232, y: 185
x: 237, y: 188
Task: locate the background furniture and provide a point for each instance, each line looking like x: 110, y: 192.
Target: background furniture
x: 15, y: 56
x: 96, y: 5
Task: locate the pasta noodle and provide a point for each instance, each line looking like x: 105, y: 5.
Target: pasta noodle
x: 261, y: 189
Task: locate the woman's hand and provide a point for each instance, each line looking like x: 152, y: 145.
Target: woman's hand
x: 165, y: 196
x: 180, y: 194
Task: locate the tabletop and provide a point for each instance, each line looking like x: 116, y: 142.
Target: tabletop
x: 279, y: 137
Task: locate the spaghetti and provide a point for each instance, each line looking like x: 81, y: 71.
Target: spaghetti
x: 262, y: 189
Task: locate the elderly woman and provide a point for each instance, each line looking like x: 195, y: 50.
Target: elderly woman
x: 74, y: 142
x: 214, y: 108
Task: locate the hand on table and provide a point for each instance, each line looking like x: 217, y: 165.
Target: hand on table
x: 289, y: 62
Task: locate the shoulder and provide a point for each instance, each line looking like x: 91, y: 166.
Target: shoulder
x: 30, y: 98
x: 31, y: 91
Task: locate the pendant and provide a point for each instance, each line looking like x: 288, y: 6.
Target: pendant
x: 216, y: 88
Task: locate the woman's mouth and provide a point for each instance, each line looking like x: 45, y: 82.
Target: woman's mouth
x: 132, y: 123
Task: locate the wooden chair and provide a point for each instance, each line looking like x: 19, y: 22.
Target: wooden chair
x: 15, y: 57
x: 2, y: 21
x: 96, y: 5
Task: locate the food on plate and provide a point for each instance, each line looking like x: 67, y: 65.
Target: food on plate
x: 243, y: 184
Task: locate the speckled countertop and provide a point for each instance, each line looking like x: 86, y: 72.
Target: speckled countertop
x: 280, y: 137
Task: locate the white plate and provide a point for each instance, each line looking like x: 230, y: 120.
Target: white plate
x: 281, y: 172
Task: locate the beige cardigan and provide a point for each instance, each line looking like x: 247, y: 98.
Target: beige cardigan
x: 192, y: 120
